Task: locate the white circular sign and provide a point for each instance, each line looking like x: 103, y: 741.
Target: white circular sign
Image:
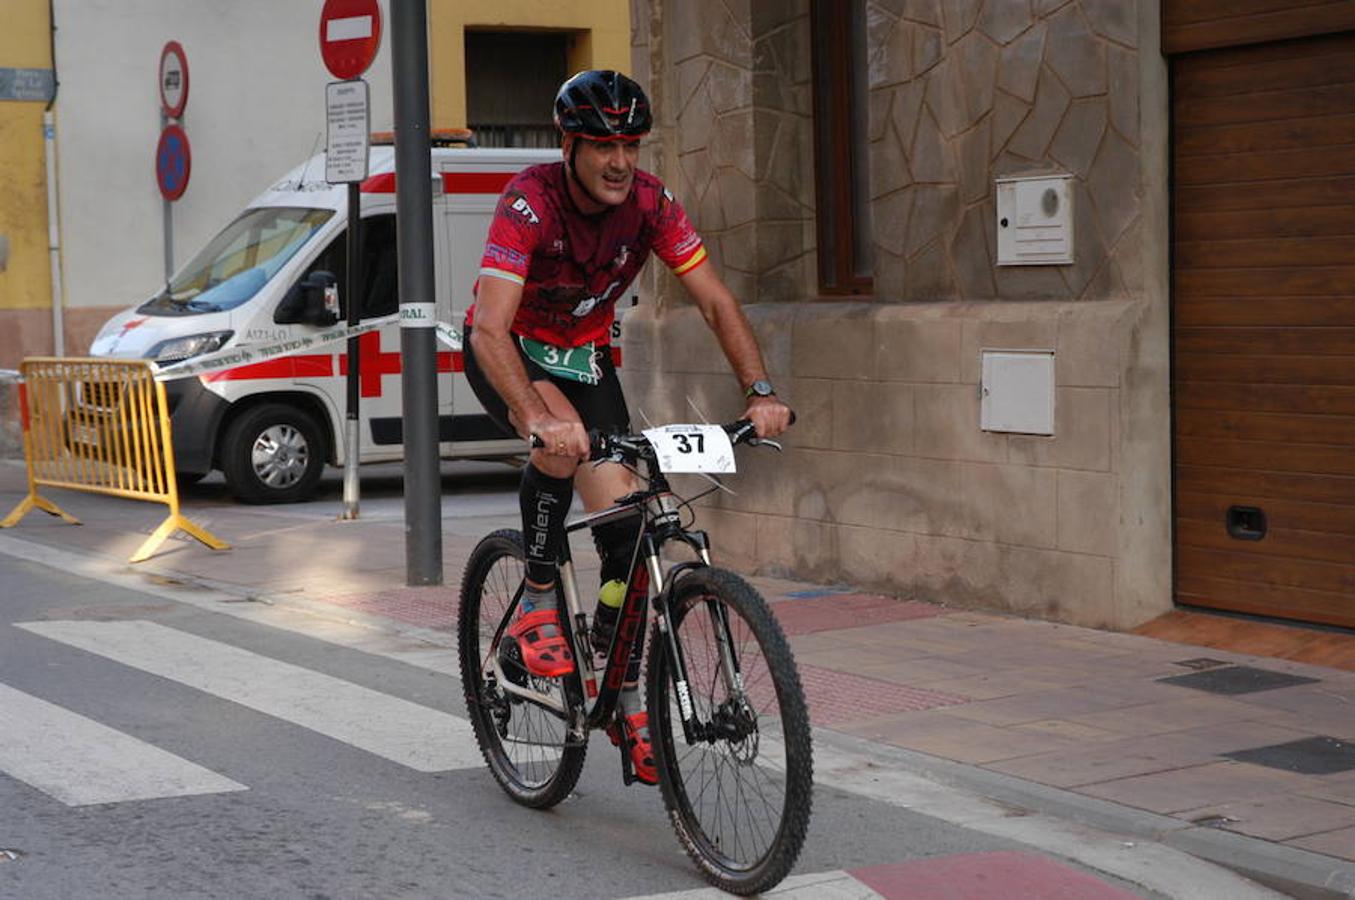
x: 173, y: 79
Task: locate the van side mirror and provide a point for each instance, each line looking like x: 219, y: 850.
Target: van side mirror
x: 304, y: 301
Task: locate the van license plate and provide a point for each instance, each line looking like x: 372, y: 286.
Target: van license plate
x: 84, y: 434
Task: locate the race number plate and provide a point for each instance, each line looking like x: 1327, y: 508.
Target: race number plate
x: 573, y: 363
x: 692, y: 448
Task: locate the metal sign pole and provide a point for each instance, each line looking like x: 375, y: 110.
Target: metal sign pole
x: 350, y: 33
x: 354, y: 300
x: 348, y: 130
x: 167, y: 218
x: 414, y: 223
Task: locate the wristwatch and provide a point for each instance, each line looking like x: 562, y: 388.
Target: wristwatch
x: 760, y: 388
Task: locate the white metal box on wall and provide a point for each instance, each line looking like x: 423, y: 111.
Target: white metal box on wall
x: 1035, y: 220
x: 1016, y: 391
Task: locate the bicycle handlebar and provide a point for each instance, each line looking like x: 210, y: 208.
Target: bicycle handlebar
x: 631, y: 447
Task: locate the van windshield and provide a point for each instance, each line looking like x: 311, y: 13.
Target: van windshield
x: 238, y: 261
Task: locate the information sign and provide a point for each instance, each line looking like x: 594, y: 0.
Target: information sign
x: 348, y: 116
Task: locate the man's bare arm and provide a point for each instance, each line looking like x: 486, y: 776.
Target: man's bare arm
x: 722, y: 313
x: 496, y: 304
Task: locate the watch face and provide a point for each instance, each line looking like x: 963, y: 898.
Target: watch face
x: 760, y: 389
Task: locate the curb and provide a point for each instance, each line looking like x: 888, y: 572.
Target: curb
x: 1297, y: 873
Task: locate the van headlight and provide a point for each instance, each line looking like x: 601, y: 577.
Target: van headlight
x: 181, y: 348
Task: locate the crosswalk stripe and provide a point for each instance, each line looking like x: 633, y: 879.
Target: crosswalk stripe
x: 834, y: 885
x: 81, y: 762
x: 412, y: 735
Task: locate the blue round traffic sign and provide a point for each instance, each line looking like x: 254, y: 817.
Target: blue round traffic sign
x: 173, y: 162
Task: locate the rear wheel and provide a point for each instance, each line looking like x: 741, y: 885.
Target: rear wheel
x: 524, y: 744
x: 739, y: 793
x: 273, y: 453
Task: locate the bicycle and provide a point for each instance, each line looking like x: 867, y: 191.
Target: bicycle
x: 723, y: 693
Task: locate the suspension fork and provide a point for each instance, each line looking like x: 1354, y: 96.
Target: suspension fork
x: 730, y: 672
x: 729, y: 661
x: 692, y: 729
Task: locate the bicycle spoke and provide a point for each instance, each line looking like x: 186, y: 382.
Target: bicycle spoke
x: 523, y: 742
x: 736, y: 800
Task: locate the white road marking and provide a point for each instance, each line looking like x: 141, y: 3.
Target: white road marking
x: 81, y: 762
x: 314, y: 619
x: 419, y: 737
x: 834, y: 885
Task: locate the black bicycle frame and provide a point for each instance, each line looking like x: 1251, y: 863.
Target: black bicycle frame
x: 626, y: 651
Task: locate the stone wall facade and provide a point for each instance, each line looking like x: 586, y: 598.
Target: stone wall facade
x: 889, y: 481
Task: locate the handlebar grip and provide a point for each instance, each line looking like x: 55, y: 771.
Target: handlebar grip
x: 536, y: 442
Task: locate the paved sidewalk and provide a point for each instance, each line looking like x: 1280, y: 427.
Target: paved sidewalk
x: 1248, y: 761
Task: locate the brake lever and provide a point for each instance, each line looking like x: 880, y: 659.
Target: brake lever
x: 765, y: 442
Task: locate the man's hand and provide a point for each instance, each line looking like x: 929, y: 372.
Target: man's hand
x: 559, y: 437
x: 769, y: 416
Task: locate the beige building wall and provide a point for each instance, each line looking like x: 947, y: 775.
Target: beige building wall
x: 888, y: 480
x: 25, y: 280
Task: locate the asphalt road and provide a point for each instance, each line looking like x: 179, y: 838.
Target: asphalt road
x: 154, y: 748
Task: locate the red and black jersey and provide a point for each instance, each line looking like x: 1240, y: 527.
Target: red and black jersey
x: 572, y: 266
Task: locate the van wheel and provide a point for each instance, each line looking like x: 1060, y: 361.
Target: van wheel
x: 273, y: 453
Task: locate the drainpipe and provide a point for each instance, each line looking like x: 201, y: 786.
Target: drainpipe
x: 53, y: 229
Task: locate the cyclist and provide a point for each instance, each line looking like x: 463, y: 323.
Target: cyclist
x: 566, y: 241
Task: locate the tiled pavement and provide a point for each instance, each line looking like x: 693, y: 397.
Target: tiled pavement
x: 1098, y: 714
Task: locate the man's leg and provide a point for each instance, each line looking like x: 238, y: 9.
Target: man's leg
x: 545, y: 493
x: 600, y: 487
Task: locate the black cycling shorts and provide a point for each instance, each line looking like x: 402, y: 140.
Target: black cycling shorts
x: 601, y: 405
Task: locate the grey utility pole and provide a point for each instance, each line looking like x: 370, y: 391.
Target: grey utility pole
x: 414, y: 225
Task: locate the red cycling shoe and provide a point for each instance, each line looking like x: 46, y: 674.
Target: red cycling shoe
x: 545, y: 652
x: 636, y: 728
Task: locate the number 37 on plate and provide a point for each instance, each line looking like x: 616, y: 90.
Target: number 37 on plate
x: 692, y: 448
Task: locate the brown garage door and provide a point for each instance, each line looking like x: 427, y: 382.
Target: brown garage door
x: 1264, y: 328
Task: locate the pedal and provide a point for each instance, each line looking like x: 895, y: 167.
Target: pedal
x: 616, y: 734
x: 576, y: 728
x: 511, y: 662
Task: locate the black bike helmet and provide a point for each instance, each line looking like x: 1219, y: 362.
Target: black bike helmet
x: 602, y: 105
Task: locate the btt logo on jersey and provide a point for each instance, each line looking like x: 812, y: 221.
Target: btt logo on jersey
x: 521, y: 206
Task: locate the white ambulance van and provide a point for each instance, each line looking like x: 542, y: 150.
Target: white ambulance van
x: 269, y: 276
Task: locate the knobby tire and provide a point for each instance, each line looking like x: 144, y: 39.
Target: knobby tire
x: 534, y: 765
x: 771, y: 799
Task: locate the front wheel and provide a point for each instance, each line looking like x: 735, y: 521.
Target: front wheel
x: 273, y: 453
x: 526, y: 746
x: 739, y: 788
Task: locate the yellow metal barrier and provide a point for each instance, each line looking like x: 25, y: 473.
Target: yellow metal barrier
x: 99, y: 425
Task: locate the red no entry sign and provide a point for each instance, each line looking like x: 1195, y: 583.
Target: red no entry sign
x: 350, y: 33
